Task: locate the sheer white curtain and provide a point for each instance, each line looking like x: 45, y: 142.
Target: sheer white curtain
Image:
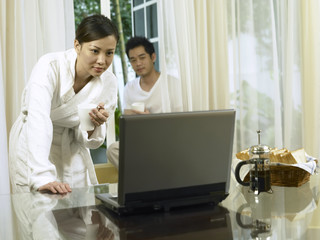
x: 192, y: 37
x: 310, y: 11
x: 4, y: 177
x: 274, y: 54
x: 6, y: 229
x: 29, y: 29
x: 257, y: 36
x: 259, y: 57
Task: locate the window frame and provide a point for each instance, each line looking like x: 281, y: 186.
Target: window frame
x: 153, y: 40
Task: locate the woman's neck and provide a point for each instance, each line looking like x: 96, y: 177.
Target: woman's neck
x: 80, y: 80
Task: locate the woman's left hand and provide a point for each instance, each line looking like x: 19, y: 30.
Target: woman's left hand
x: 99, y: 115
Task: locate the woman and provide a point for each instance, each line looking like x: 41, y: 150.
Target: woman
x: 48, y: 151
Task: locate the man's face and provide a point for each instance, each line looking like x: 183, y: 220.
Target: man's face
x: 141, y: 61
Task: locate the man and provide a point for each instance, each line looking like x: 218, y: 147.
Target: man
x: 150, y: 86
x: 157, y: 91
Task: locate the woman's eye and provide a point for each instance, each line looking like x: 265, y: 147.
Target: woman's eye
x: 109, y: 53
x: 94, y: 51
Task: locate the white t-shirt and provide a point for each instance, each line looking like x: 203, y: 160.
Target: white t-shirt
x: 159, y: 99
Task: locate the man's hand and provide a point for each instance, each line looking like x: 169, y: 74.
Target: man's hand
x: 131, y: 112
x: 55, y: 187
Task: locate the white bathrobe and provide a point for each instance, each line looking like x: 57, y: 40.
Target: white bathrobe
x: 46, y: 143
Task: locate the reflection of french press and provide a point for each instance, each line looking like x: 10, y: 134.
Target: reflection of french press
x: 260, y: 221
x: 260, y: 168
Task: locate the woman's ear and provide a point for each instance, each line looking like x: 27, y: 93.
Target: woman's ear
x: 77, y: 46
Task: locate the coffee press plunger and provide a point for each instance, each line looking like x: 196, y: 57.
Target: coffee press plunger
x: 260, y: 168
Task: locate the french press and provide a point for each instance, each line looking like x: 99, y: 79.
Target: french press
x: 260, y: 168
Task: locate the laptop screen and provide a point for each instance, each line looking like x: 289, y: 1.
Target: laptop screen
x: 169, y: 154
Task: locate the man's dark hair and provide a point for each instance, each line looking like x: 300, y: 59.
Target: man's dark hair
x: 137, y: 42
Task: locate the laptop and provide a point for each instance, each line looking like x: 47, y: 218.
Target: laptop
x: 171, y: 160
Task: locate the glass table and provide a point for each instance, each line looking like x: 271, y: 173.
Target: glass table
x: 287, y: 213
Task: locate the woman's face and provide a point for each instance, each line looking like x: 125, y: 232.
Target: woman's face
x: 94, y: 57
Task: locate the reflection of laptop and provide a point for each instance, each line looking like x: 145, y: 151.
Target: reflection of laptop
x: 196, y: 222
x: 173, y: 159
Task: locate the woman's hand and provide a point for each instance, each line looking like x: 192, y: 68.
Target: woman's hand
x: 99, y: 115
x: 55, y: 187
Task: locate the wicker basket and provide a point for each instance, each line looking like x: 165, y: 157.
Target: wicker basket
x: 286, y: 176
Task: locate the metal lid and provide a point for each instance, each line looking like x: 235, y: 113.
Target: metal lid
x: 260, y: 148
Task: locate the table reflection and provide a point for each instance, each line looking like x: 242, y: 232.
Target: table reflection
x: 285, y: 214
x: 77, y: 215
x: 51, y: 216
x: 197, y: 222
x: 260, y: 207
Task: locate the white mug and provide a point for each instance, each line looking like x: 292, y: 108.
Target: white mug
x: 85, y: 121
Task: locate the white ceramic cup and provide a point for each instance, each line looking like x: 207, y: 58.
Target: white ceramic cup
x: 85, y: 121
x: 138, y: 106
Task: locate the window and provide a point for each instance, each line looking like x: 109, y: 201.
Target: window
x: 145, y: 22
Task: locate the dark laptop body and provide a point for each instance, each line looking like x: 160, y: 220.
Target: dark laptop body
x: 172, y: 160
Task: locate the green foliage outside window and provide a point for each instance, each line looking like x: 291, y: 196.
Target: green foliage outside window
x: 84, y: 8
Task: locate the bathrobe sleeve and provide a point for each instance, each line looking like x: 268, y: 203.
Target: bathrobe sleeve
x: 39, y: 127
x: 96, y: 139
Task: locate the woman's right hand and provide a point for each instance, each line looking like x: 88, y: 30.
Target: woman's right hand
x: 55, y: 187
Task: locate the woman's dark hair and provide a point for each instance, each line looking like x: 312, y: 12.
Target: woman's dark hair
x: 137, y: 42
x: 96, y: 27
